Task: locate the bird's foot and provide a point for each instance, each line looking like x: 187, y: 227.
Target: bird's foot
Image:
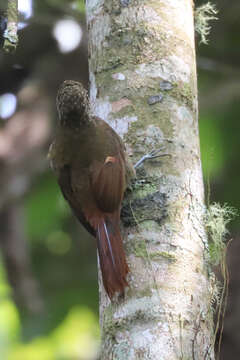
x: 152, y: 155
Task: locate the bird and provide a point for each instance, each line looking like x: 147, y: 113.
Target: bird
x: 93, y: 171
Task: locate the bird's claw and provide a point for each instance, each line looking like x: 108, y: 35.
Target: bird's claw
x: 155, y: 153
x: 151, y: 155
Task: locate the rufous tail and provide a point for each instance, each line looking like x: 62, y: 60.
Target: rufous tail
x: 111, y: 255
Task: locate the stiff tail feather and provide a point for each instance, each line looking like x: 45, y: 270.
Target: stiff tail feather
x: 112, y: 256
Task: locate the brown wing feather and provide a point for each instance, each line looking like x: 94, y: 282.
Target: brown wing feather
x: 64, y: 181
x: 108, y: 183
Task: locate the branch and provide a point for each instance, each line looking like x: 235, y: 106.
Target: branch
x: 16, y: 257
x: 10, y: 34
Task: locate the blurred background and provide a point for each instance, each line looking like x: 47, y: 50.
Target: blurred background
x: 48, y: 273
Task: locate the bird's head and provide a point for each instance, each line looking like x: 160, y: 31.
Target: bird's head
x: 72, y: 104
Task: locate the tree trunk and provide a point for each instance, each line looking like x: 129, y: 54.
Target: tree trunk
x: 143, y: 82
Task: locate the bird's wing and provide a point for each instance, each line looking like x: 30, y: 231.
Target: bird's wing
x: 65, y: 183
x: 107, y: 181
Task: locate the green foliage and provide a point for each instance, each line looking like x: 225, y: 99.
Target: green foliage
x: 75, y: 338
x: 203, y: 15
x: 212, y: 146
x: 80, y: 5
x: 9, y: 318
x: 58, y: 242
x: 63, y: 4
x: 216, y: 220
x: 45, y: 209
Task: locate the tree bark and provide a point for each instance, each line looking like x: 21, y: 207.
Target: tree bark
x: 143, y: 82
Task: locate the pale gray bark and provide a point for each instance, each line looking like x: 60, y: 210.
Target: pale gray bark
x: 143, y: 82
